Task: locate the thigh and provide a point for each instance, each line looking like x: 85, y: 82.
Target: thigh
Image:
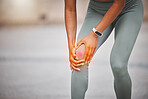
x: 127, y: 28
x: 91, y: 20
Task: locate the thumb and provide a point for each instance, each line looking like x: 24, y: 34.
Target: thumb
x: 79, y: 44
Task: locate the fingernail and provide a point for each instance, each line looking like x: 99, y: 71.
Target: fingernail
x: 87, y: 63
x: 78, y: 69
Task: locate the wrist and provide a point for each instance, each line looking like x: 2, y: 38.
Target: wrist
x: 71, y: 41
x: 97, y: 32
x: 94, y: 34
x: 71, y: 45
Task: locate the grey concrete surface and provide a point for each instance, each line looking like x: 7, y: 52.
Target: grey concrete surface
x: 34, y: 65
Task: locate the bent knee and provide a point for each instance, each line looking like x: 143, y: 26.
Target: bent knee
x: 80, y: 52
x: 119, y: 68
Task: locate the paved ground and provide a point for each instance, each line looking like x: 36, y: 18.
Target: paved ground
x: 34, y: 65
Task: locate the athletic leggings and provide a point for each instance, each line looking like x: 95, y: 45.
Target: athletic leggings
x: 127, y: 26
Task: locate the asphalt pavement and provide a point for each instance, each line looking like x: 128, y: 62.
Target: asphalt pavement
x: 34, y: 65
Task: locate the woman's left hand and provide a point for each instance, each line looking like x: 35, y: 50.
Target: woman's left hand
x: 90, y: 42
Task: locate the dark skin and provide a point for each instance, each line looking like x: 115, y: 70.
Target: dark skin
x: 90, y: 41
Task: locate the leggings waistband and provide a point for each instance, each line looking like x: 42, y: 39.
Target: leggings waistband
x: 102, y: 1
x: 103, y: 6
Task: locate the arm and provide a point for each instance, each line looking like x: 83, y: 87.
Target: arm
x: 111, y: 15
x: 71, y: 21
x: 91, y: 40
x: 71, y: 27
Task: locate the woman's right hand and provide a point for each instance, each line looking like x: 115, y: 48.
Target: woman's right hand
x: 74, y: 61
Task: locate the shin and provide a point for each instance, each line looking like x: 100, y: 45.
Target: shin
x: 79, y: 79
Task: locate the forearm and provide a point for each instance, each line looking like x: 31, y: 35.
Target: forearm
x: 71, y: 26
x: 110, y: 16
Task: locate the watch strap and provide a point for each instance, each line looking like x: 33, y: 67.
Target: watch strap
x: 97, y: 32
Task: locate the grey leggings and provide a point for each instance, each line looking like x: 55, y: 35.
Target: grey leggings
x: 127, y: 26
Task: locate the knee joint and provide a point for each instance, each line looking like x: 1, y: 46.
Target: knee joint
x: 119, y: 68
x: 80, y: 52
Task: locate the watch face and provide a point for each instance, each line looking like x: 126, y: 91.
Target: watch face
x: 100, y: 34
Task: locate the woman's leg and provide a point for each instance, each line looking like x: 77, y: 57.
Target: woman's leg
x: 126, y: 31
x: 79, y: 79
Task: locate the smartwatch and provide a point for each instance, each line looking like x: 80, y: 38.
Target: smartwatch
x: 97, y: 32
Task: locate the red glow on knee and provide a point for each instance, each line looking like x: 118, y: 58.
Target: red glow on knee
x: 80, y: 52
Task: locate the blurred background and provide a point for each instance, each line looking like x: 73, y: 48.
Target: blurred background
x: 34, y: 53
x: 22, y: 12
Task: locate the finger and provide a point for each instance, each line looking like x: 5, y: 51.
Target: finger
x: 77, y: 65
x: 79, y: 44
x: 89, y: 54
x: 77, y: 69
x: 74, y: 54
x: 76, y: 61
x: 71, y: 67
x: 92, y: 53
x: 86, y: 53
